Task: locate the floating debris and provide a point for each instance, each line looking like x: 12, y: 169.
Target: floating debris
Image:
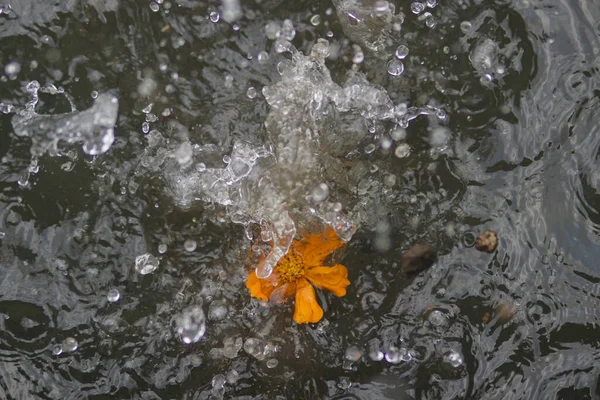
x: 418, y: 258
x: 487, y: 242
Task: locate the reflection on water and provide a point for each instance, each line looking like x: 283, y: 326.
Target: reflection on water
x: 124, y: 260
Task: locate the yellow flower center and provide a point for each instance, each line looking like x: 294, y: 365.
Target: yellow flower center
x: 291, y: 267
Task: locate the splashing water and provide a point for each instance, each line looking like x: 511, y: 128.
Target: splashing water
x: 94, y: 127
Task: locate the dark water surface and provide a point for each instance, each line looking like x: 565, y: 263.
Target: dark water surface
x: 510, y: 142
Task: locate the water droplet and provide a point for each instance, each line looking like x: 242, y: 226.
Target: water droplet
x: 262, y: 57
x: 12, y: 69
x: 353, y: 353
x: 113, y: 295
x: 69, y: 344
x: 287, y: 30
x: 251, y: 92
x: 189, y: 245
x: 417, y: 8
x: 154, y: 7
x: 57, y: 350
x: 454, y: 358
x: 320, y: 192
x: 370, y: 148
x: 272, y: 363
x: 398, y: 134
x: 162, y: 248
x: 232, y: 376
x: 191, y: 324
x: 395, y: 67
x: 431, y: 3
x: 214, y: 16
x: 358, y: 55
x: 401, y: 52
x: 437, y: 318
x: 145, y: 127
x: 315, y: 20
x: 396, y: 356
x: 146, y: 264
x: 94, y: 94
x: 403, y: 150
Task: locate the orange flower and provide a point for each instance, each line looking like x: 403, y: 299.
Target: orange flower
x: 303, y: 264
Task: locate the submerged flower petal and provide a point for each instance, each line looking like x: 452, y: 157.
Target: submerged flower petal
x: 260, y: 288
x: 308, y: 309
x: 316, y: 247
x: 334, y: 279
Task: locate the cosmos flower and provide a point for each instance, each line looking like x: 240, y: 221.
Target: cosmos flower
x: 301, y: 269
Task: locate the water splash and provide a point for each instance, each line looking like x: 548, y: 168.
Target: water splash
x: 94, y: 127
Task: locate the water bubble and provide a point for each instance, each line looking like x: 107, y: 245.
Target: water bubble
x: 12, y: 69
x: 146, y: 264
x: 393, y: 355
x: 358, y: 55
x: 232, y: 376
x: 454, y: 358
x: 395, y: 67
x: 57, y: 350
x: 251, y: 92
x: 287, y: 30
x: 386, y: 143
x: 396, y: 356
x: 162, y: 248
x: 466, y: 26
x: 370, y: 148
x: 272, y: 363
x: 398, y: 134
x: 315, y: 20
x: 262, y: 57
x: 403, y: 150
x: 214, y: 16
x: 272, y: 30
x: 189, y: 245
x: 381, y: 7
x: 113, y: 295
x: 191, y: 324
x: 437, y: 318
x: 154, y: 7
x: 320, y: 192
x: 145, y: 127
x: 69, y: 344
x: 353, y: 353
x: 417, y: 8
x: 401, y: 52
x: 217, y: 310
x: 429, y: 20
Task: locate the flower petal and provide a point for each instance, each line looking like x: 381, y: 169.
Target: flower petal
x: 283, y: 292
x: 259, y: 288
x: 307, y: 309
x: 334, y: 279
x: 317, y: 246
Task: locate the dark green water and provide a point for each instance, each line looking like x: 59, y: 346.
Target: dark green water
x: 508, y: 140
